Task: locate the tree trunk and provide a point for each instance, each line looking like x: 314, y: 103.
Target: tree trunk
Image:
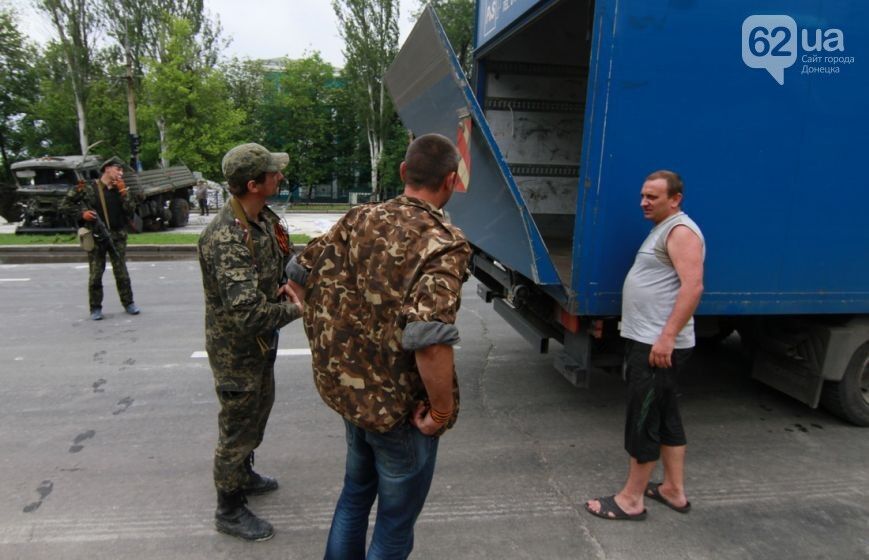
x: 131, y: 112
x: 161, y: 128
x: 82, y: 125
x: 7, y: 167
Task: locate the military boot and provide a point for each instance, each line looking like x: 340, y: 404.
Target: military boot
x: 257, y: 483
x: 233, y: 518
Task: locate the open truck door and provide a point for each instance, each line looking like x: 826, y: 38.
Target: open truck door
x: 431, y: 94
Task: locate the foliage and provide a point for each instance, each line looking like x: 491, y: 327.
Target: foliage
x: 245, y: 87
x: 297, y: 118
x: 18, y: 83
x: 199, y: 123
x: 370, y: 32
x: 76, y: 27
x: 50, y: 127
x: 352, y: 163
x: 457, y: 19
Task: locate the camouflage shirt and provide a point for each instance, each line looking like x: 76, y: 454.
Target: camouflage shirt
x: 241, y: 301
x: 86, y: 196
x: 380, y: 269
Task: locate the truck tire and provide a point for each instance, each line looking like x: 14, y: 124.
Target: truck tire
x: 849, y: 398
x: 180, y: 209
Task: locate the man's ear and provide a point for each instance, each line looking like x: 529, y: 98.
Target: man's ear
x: 450, y: 181
x: 402, y: 172
x: 251, y: 186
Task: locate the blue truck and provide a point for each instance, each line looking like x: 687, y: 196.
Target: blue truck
x: 760, y: 105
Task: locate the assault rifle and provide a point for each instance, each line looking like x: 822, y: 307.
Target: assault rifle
x: 103, y: 236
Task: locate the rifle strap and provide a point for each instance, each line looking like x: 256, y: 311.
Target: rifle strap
x: 103, y: 202
x: 241, y: 217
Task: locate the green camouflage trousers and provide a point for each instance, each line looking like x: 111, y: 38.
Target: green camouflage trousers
x: 241, y: 423
x: 97, y: 262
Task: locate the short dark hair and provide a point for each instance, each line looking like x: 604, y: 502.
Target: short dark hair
x: 674, y: 181
x: 429, y: 159
x: 239, y: 189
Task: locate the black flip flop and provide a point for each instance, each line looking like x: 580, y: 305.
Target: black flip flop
x: 609, y: 509
x: 653, y: 492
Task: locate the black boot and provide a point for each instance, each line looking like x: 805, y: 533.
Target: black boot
x: 233, y: 518
x: 257, y: 484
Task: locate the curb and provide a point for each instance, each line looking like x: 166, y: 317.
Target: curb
x: 28, y: 254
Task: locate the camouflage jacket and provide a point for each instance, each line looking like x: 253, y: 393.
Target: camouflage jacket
x: 382, y: 269
x: 86, y: 197
x: 241, y: 301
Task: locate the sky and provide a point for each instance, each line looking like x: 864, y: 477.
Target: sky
x: 260, y: 29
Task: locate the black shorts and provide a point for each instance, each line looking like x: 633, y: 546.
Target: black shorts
x: 653, y: 416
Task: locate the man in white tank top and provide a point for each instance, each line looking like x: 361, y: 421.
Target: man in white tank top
x: 660, y: 294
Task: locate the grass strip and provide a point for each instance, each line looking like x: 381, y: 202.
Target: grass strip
x: 133, y: 239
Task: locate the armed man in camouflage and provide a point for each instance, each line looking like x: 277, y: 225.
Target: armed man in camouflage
x: 242, y: 254
x: 382, y: 289
x: 108, y: 201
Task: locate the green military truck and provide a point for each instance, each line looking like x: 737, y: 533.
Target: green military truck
x: 163, y: 195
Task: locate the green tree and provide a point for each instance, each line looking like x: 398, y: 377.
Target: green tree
x: 245, y: 82
x: 306, y: 126
x: 370, y: 32
x: 137, y: 27
x: 50, y: 127
x: 190, y: 104
x: 352, y: 163
x: 18, y: 89
x: 76, y: 25
x: 457, y: 18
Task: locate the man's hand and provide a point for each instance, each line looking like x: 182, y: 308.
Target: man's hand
x: 661, y: 355
x: 422, y: 420
x: 297, y: 288
x: 122, y: 187
x: 89, y: 215
x: 286, y: 291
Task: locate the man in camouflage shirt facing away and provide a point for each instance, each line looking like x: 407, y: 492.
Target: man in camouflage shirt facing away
x: 242, y: 253
x: 106, y: 199
x: 382, y: 289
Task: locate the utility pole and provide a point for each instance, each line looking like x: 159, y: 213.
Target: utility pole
x: 135, y: 163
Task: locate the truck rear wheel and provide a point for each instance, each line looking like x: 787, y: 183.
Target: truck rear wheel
x: 180, y: 209
x: 849, y: 398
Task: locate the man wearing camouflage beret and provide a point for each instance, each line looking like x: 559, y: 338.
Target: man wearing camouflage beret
x: 105, y: 207
x: 242, y: 254
x: 382, y: 289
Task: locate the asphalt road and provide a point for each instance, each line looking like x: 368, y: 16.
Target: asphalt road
x: 108, y: 429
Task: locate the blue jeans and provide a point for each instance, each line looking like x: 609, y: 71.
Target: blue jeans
x: 397, y: 469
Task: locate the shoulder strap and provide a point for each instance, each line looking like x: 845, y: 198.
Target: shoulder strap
x: 103, y: 203
x: 239, y: 214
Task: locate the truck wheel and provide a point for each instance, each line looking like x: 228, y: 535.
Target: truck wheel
x: 849, y: 398
x: 180, y: 209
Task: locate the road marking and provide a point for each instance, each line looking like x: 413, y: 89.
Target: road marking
x: 14, y: 279
x: 281, y: 352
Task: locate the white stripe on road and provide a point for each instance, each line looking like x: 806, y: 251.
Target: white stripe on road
x: 14, y: 279
x: 281, y: 352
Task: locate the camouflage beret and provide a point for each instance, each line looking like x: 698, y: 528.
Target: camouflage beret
x: 248, y: 161
x: 114, y: 160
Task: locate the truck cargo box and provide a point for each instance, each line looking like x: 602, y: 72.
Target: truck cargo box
x: 572, y: 109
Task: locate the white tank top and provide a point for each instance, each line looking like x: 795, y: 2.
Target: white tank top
x: 650, y: 288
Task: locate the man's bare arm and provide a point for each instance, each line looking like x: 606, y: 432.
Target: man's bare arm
x: 686, y: 252
x: 436, y: 366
